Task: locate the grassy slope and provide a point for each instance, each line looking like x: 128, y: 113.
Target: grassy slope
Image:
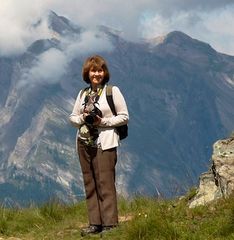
x: 152, y: 219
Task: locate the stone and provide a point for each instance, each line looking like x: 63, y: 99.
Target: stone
x: 218, y: 182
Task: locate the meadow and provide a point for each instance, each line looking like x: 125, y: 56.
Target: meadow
x: 142, y: 217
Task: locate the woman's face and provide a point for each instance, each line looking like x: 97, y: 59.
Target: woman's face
x: 96, y: 76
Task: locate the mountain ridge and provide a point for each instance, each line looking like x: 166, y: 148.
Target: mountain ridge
x: 185, y: 89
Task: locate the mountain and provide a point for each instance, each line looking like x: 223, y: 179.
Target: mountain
x: 179, y: 92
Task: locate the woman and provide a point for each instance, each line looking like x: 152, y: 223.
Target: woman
x: 97, y: 142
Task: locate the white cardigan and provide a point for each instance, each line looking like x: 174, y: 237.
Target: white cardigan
x: 108, y: 137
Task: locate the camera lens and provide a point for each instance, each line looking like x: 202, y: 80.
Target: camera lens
x: 89, y: 119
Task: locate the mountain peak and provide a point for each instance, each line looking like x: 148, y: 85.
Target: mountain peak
x: 185, y: 42
x: 177, y: 36
x: 177, y: 43
x: 62, y: 25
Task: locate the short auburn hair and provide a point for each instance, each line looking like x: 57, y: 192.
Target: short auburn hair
x: 95, y: 62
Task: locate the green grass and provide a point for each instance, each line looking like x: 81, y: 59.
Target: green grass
x: 151, y: 219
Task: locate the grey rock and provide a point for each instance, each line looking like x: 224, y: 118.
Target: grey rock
x: 219, y: 181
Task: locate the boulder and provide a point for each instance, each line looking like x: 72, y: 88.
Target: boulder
x: 219, y: 180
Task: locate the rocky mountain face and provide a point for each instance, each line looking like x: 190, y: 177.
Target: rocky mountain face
x: 179, y: 93
x: 219, y: 180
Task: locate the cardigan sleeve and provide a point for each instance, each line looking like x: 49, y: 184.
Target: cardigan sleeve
x: 76, y: 118
x: 121, y: 110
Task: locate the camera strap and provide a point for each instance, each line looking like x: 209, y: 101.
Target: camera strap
x: 88, y: 93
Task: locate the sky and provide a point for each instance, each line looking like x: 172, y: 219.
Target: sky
x: 211, y: 21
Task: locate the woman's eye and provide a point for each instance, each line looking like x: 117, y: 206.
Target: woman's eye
x: 99, y: 71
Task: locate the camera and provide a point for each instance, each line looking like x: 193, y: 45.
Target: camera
x: 92, y: 116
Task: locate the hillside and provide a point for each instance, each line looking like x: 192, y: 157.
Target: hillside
x: 141, y: 218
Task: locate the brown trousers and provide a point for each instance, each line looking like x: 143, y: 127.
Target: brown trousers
x: 98, y: 168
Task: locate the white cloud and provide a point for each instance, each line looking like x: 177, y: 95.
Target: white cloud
x: 16, y: 20
x: 219, y: 30
x: 49, y: 68
x: 89, y: 42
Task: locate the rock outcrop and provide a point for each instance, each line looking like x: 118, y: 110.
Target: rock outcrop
x: 219, y: 180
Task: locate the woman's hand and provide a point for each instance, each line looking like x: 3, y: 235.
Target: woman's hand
x: 97, y: 120
x: 85, y: 114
